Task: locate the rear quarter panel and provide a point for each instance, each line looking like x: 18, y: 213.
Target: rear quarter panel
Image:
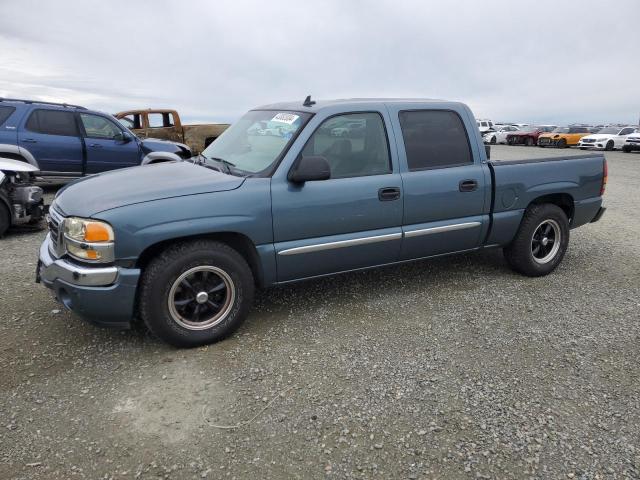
x: 518, y: 184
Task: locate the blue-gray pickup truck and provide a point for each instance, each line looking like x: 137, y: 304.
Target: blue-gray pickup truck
x: 299, y: 190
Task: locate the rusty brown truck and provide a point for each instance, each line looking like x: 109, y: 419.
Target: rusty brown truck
x: 166, y: 124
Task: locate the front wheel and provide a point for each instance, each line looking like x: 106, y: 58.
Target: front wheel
x: 530, y: 142
x: 626, y: 149
x: 562, y: 143
x: 195, y: 293
x: 609, y: 146
x: 493, y: 140
x: 541, y: 241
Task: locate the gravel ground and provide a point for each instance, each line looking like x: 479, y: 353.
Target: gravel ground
x: 450, y: 368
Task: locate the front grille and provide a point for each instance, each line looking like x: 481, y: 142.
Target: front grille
x: 544, y: 141
x: 588, y: 140
x: 633, y: 140
x: 54, y: 222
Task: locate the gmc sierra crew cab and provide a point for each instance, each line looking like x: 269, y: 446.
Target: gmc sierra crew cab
x: 182, y: 246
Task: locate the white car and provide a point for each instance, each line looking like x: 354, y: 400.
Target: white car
x: 500, y: 135
x: 632, y: 143
x: 609, y: 138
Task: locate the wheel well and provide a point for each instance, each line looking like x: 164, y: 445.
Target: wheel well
x: 14, y: 156
x: 562, y: 200
x: 239, y: 242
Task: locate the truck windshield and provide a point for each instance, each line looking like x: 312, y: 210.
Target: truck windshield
x: 257, y: 140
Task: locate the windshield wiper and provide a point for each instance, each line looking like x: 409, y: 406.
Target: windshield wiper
x: 225, y: 165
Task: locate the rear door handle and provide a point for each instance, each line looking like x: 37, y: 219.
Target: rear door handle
x: 468, y: 185
x: 95, y: 145
x: 29, y: 140
x: 388, y: 193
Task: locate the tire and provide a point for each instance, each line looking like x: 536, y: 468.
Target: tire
x: 175, y: 289
x: 493, y: 140
x: 530, y: 142
x: 626, y: 149
x: 527, y: 254
x: 609, y: 146
x: 562, y: 143
x: 5, y: 219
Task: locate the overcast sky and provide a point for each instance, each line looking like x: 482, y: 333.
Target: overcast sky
x: 535, y: 61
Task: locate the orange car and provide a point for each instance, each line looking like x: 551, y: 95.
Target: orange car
x: 563, y: 137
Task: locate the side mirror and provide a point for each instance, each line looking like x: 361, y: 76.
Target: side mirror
x: 487, y: 149
x: 124, y: 137
x: 309, y: 169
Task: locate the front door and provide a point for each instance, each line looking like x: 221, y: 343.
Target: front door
x: 446, y: 193
x: 106, y: 149
x: 52, y: 137
x: 353, y: 220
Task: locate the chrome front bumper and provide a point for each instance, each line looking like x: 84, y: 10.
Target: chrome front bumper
x: 51, y: 269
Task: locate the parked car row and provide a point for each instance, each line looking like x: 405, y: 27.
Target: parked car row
x: 65, y: 141
x: 626, y: 138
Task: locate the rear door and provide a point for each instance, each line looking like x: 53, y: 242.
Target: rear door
x: 106, y: 150
x: 353, y: 220
x: 446, y: 194
x: 163, y: 125
x: 53, y: 138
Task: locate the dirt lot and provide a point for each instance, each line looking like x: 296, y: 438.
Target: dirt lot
x: 451, y: 368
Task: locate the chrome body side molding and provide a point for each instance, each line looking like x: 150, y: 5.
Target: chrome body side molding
x: 340, y: 244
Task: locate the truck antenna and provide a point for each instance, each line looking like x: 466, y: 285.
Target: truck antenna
x: 308, y: 102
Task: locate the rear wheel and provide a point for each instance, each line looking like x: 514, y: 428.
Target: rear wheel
x: 529, y: 142
x: 5, y: 219
x: 195, y: 293
x: 541, y: 241
x: 609, y: 146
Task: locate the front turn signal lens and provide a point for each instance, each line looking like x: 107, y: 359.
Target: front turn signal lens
x: 97, y: 232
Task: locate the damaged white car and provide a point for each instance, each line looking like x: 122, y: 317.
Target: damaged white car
x: 21, y: 201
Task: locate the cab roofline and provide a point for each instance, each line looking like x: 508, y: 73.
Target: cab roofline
x: 298, y: 106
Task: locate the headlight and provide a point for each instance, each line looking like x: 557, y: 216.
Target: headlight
x: 88, y: 239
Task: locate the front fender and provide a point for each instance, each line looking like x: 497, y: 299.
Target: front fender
x: 245, y: 211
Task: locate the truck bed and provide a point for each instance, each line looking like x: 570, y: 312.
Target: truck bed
x: 571, y: 180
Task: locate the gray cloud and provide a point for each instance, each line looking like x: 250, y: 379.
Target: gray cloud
x: 546, y: 61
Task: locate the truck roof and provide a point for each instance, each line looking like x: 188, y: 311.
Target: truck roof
x: 299, y: 105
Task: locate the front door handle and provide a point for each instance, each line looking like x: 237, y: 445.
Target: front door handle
x: 468, y: 185
x: 95, y: 145
x: 29, y: 140
x: 388, y: 193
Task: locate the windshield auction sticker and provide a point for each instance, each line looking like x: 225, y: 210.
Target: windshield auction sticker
x: 287, y: 118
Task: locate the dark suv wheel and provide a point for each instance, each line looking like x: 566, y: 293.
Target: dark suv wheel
x: 195, y: 293
x: 541, y: 241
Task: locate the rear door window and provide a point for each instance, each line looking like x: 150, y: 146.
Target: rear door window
x: 161, y: 120
x: 5, y: 113
x: 434, y: 139
x: 53, y: 122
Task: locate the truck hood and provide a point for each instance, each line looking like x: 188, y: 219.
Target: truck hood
x: 89, y: 196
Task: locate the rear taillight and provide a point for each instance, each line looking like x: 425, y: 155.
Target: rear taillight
x: 605, y: 174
